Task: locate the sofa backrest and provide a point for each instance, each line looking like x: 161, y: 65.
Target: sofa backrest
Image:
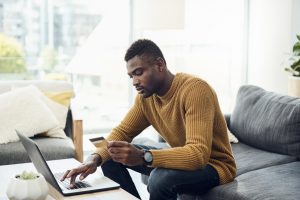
x: 44, y: 86
x: 267, y: 120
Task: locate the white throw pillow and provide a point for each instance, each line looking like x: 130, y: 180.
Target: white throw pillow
x: 232, y: 138
x: 58, y: 100
x: 24, y: 110
x: 60, y: 112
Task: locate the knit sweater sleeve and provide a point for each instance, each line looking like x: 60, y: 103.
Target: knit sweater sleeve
x: 133, y: 124
x: 195, y: 154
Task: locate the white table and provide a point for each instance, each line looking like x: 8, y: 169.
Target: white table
x: 8, y: 171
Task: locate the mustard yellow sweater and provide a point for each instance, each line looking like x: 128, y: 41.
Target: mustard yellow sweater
x: 189, y: 118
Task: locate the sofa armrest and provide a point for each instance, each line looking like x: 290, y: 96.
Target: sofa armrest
x: 78, y: 139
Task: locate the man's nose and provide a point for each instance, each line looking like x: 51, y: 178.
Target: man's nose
x: 135, y: 81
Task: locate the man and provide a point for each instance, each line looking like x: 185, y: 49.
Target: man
x: 185, y: 112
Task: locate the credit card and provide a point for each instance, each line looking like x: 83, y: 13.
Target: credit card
x: 99, y: 142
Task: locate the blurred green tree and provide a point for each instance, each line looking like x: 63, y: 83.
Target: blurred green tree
x: 11, y: 55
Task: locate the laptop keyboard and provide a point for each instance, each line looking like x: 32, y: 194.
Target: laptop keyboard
x: 66, y: 182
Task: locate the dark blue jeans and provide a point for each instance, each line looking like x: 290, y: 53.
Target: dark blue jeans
x: 163, y: 184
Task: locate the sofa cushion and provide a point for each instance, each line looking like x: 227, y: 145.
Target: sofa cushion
x: 24, y: 110
x: 276, y: 183
x: 248, y: 158
x: 267, y: 120
x: 57, y: 97
x: 51, y: 148
x: 44, y: 86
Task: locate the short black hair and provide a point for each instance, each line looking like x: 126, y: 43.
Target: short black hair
x: 144, y: 47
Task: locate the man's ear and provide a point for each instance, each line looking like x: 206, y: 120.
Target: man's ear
x: 160, y: 63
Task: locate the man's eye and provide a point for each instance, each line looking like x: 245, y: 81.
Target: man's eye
x: 138, y: 72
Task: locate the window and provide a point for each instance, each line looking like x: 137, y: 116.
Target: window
x: 84, y: 41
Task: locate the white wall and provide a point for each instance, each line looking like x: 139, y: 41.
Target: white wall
x: 271, y: 26
x: 157, y: 14
x: 295, y: 20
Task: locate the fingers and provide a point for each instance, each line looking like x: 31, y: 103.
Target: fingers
x: 117, y: 144
x: 65, y: 175
x: 119, y: 151
x: 72, y: 180
x: 119, y: 147
x: 125, y: 153
x: 119, y: 155
x: 72, y: 174
x: 86, y: 173
x: 115, y: 150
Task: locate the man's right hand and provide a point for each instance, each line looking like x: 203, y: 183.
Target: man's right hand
x: 86, y: 168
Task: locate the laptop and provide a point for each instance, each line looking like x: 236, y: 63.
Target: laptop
x: 93, y: 183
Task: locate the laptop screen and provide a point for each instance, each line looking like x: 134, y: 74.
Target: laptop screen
x: 99, y: 184
x: 38, y: 160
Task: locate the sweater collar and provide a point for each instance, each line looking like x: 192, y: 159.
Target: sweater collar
x: 171, y: 91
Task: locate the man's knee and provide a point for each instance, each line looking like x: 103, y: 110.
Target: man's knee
x: 161, y: 178
x: 110, y: 166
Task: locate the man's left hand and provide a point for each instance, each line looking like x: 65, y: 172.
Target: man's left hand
x: 125, y: 153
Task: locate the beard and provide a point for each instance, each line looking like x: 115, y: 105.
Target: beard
x: 146, y: 93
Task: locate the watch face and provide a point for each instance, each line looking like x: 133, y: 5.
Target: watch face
x: 148, y: 156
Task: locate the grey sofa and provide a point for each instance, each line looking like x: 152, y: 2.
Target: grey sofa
x: 267, y: 125
x: 52, y: 148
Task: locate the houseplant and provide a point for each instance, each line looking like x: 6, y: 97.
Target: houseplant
x: 294, y: 69
x: 27, y: 185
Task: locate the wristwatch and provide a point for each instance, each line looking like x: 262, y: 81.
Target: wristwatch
x: 148, y: 158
